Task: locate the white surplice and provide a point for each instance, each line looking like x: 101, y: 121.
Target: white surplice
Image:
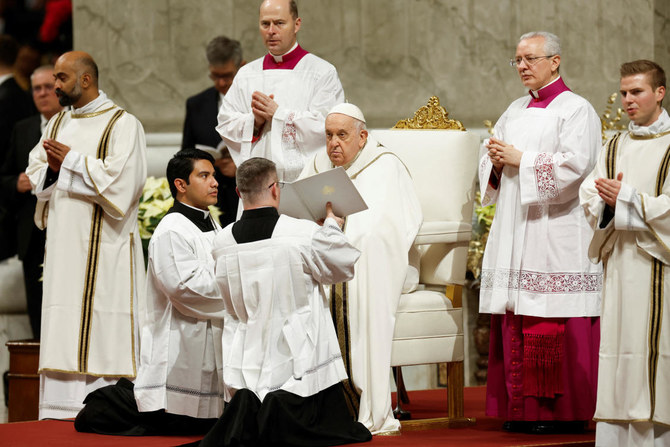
x: 384, y: 234
x: 278, y: 334
x: 180, y: 361
x: 93, y: 269
x: 536, y: 262
x: 634, y: 322
x: 304, y: 94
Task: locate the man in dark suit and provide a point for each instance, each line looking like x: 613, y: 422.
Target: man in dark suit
x: 225, y: 58
x: 15, y: 104
x: 15, y: 188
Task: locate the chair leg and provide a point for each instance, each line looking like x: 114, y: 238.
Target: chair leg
x: 402, y: 391
x: 455, y: 382
x: 401, y: 396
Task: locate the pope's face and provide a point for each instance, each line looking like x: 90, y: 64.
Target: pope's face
x: 640, y: 101
x: 202, y: 188
x: 535, y: 73
x: 343, y: 139
x: 278, y: 28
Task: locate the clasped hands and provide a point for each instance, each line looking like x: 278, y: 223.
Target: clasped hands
x: 503, y: 154
x: 56, y: 153
x: 263, y: 107
x: 608, y: 189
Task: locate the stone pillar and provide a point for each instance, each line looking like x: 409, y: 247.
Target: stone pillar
x: 392, y: 55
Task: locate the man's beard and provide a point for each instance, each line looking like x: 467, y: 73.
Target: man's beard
x: 66, y: 99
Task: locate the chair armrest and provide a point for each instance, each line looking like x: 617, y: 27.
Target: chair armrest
x: 441, y: 232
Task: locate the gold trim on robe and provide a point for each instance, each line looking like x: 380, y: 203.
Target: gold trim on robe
x: 649, y: 137
x: 102, y: 154
x: 92, y: 114
x: 92, y: 260
x: 657, y: 272
x: 339, y: 309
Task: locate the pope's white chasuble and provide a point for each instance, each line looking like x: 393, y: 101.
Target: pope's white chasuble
x: 364, y: 308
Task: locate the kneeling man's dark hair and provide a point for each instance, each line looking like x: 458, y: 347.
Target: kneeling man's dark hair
x: 181, y: 166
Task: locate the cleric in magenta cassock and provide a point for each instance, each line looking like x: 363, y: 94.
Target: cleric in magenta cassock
x: 536, y: 277
x: 277, y: 104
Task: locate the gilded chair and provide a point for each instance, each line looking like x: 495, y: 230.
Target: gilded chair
x: 442, y: 159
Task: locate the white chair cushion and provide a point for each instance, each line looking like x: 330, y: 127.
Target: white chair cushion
x: 443, y: 232
x: 427, y: 313
x: 443, y: 165
x: 428, y: 329
x: 427, y: 350
x: 443, y: 263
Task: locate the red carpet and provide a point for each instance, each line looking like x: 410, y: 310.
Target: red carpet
x: 424, y: 404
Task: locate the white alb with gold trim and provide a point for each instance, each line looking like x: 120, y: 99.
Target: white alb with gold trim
x: 93, y: 270
x: 634, y: 363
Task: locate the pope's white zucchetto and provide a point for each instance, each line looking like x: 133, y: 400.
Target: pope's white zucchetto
x: 348, y: 109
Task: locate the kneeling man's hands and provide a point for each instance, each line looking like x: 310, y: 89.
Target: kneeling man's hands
x: 329, y: 213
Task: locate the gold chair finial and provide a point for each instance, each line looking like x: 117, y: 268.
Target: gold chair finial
x: 430, y: 116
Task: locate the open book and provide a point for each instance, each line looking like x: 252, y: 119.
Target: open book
x: 307, y: 198
x: 213, y: 151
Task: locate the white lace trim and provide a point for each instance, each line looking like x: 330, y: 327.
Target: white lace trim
x: 539, y: 282
x: 547, y: 186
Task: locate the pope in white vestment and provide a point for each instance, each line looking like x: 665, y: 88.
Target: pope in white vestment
x: 180, y: 363
x: 94, y: 268
x: 304, y: 86
x: 632, y: 239
x: 363, y: 309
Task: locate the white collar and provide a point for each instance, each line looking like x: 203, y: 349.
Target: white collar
x: 280, y: 58
x: 661, y: 125
x: 205, y: 212
x: 94, y: 105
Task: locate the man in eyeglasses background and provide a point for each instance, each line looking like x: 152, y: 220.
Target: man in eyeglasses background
x: 536, y: 280
x: 17, y: 192
x: 224, y: 56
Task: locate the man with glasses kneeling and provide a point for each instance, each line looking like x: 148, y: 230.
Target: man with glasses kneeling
x: 536, y: 276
